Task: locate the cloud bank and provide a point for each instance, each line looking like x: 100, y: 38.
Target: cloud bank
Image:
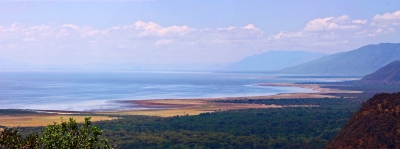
x: 149, y: 42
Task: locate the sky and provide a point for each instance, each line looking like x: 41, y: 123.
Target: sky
x: 188, y: 31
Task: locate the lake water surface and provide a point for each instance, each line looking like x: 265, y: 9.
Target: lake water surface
x: 63, y: 90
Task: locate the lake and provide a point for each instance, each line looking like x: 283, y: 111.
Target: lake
x: 92, y: 91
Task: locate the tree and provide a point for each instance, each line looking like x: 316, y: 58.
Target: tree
x: 67, y: 134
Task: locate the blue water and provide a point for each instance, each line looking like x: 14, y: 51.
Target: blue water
x: 84, y: 91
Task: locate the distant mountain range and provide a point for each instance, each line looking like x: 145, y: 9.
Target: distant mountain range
x: 387, y: 75
x: 362, y: 61
x: 274, y: 60
x: 375, y: 125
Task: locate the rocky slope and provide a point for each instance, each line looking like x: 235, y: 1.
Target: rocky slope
x: 375, y: 125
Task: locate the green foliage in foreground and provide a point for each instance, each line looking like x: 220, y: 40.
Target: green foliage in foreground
x: 66, y: 135
x: 10, y: 138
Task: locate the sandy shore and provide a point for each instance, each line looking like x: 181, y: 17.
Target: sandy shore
x: 33, y: 120
x: 173, y: 107
x: 183, y: 107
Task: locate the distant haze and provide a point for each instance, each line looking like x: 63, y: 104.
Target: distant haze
x: 274, y: 60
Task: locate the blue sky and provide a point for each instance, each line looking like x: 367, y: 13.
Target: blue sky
x: 188, y: 31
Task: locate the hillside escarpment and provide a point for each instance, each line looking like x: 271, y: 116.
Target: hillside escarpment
x: 375, y: 125
x: 387, y: 75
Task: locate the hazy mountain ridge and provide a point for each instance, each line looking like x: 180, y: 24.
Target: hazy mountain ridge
x: 375, y: 125
x: 387, y: 75
x: 274, y: 60
x: 361, y: 61
x: 6, y: 64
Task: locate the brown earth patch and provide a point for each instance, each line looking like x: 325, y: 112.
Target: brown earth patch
x: 184, y: 107
x: 42, y: 120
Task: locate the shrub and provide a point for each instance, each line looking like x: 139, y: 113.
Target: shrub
x: 67, y: 134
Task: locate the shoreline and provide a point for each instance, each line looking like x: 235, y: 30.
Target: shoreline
x: 182, y: 103
x: 167, y: 107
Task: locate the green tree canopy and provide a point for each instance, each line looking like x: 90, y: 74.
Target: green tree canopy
x: 66, y: 135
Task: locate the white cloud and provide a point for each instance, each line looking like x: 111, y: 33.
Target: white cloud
x: 387, y: 19
x: 227, y: 29
x: 384, y: 31
x: 373, y: 32
x: 63, y: 33
x: 27, y: 39
x: 63, y: 42
x: 250, y: 27
x: 14, y: 27
x: 153, y: 29
x: 360, y: 21
x: 138, y: 41
x: 163, y: 42
x: 387, y: 16
x: 91, y: 33
x: 70, y: 26
x: 341, y: 18
x: 318, y: 24
x: 331, y: 23
x: 40, y: 28
x: 282, y: 35
x: 341, y: 32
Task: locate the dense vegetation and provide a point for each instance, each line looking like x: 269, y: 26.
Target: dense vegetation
x: 66, y: 135
x: 338, y: 103
x: 375, y: 125
x: 299, y: 127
